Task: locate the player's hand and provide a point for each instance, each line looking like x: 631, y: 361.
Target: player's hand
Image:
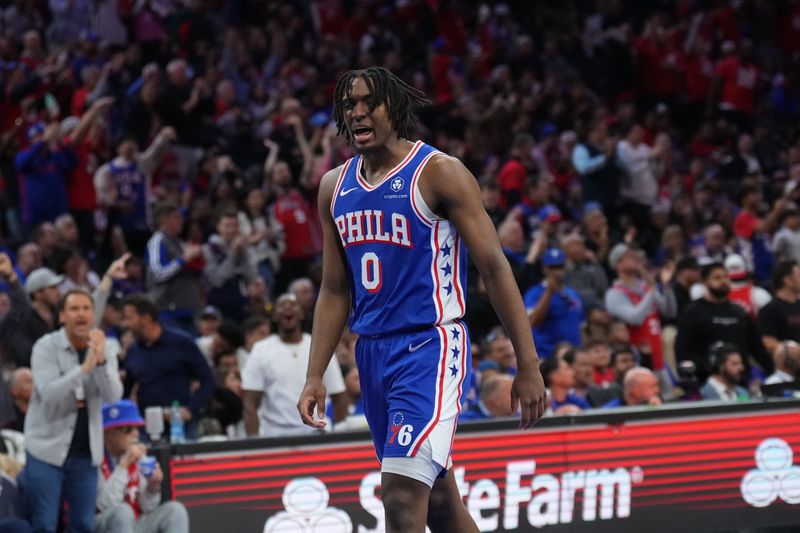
x: 529, y: 397
x: 313, y: 398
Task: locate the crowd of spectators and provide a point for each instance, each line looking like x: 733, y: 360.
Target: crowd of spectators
x: 640, y: 160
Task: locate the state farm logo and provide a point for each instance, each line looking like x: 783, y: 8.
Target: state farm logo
x: 306, y: 503
x: 775, y: 477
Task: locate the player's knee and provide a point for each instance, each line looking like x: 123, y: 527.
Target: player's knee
x: 405, y: 508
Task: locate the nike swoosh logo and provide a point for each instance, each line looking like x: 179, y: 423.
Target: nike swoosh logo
x: 345, y: 192
x: 412, y: 348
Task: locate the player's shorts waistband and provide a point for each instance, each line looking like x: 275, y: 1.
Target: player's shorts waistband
x: 410, y: 331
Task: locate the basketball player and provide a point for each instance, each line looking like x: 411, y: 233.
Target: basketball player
x: 396, y: 219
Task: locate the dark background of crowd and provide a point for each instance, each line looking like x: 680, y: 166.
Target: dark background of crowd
x: 648, y: 141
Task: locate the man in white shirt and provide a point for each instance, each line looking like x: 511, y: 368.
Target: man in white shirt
x: 639, y: 184
x: 275, y: 373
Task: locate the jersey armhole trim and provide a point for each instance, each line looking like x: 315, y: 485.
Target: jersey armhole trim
x: 338, y: 185
x: 421, y: 209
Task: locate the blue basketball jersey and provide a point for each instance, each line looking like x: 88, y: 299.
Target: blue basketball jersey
x: 407, y: 266
x: 131, y: 186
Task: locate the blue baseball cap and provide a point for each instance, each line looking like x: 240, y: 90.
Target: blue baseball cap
x: 547, y: 130
x: 553, y: 257
x: 320, y: 119
x: 35, y: 130
x: 588, y: 207
x: 121, y: 413
x: 550, y: 213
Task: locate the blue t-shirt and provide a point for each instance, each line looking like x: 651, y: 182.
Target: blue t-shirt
x: 563, y: 321
x: 571, y: 399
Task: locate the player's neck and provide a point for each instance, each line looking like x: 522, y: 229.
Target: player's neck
x: 380, y: 160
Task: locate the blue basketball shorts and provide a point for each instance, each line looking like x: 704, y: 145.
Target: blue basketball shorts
x: 413, y: 386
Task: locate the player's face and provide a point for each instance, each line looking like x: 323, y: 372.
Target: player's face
x: 366, y: 120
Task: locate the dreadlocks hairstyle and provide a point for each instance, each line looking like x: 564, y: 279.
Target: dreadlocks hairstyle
x: 385, y: 88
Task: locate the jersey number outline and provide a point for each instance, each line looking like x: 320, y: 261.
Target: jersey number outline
x: 371, y: 272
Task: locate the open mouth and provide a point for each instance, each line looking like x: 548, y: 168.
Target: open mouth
x: 361, y: 133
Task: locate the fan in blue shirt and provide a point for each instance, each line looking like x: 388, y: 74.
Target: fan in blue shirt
x: 560, y: 380
x: 554, y: 309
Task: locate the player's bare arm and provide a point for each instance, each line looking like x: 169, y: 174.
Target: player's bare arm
x: 333, y: 306
x: 452, y: 192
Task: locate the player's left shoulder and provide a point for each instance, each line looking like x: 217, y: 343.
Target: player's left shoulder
x: 442, y: 162
x: 445, y: 169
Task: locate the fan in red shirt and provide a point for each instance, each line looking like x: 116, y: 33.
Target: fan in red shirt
x: 85, y: 137
x: 660, y: 64
x: 602, y: 373
x: 512, y: 175
x: 90, y: 76
x: 699, y: 71
x: 737, y: 81
x: 789, y: 31
x: 747, y: 222
x: 300, y: 223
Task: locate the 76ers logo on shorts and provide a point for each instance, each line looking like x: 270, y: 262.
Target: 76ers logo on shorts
x: 400, y: 432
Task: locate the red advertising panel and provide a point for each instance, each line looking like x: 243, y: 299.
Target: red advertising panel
x: 693, y: 474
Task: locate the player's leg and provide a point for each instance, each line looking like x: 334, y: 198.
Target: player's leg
x: 428, y: 371
x: 405, y: 503
x: 446, y: 510
x: 405, y: 489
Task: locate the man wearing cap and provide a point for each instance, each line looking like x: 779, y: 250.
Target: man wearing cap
x: 129, y: 491
x: 583, y: 271
x: 42, y: 169
x: 31, y: 319
x: 636, y: 299
x: 555, y: 310
x: 74, y: 372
